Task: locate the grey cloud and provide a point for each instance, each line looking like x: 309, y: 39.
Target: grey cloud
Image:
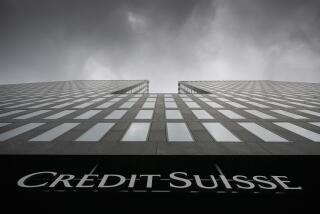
x: 163, y: 41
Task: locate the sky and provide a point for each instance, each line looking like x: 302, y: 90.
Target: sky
x: 163, y: 41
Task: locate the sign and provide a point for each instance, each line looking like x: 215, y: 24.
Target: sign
x: 156, y: 182
x: 285, y: 181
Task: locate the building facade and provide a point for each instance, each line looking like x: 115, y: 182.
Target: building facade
x: 230, y: 118
x: 248, y: 143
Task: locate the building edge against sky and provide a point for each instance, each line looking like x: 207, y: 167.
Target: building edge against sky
x: 108, y: 86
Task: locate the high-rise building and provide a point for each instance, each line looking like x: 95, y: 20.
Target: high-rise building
x: 75, y: 88
x: 278, y: 117
x: 228, y: 128
x: 232, y: 117
x: 266, y: 86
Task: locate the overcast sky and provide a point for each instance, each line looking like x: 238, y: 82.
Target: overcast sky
x: 163, y: 41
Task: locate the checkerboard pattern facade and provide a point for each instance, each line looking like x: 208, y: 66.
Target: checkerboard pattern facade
x: 121, y: 117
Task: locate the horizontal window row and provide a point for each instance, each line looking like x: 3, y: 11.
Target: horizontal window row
x: 176, y: 132
x: 169, y: 114
x: 246, y: 103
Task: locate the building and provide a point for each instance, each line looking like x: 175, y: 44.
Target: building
x: 230, y: 118
x: 250, y: 127
x: 73, y: 87
x: 263, y: 113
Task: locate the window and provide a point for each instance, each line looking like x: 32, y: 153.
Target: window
x: 55, y: 132
x: 178, y: 132
x: 237, y: 105
x: 17, y: 131
x: 288, y: 114
x: 192, y: 105
x: 213, y: 95
x: 168, y: 99
x: 3, y: 124
x: 152, y: 99
x: 187, y: 99
x: 4, y: 104
x: 11, y: 113
x: 220, y: 133
x: 262, y: 133
x: 198, y: 95
x: 315, y: 123
x: 33, y: 114
x: 149, y: 105
x: 96, y: 100
x: 230, y: 114
x: 173, y: 114
x: 96, y: 132
x: 223, y: 99
x: 77, y: 100
x: 317, y: 103
x: 62, y: 105
x: 88, y: 114
x: 84, y: 105
x: 116, y: 114
x: 280, y: 104
x: 127, y: 105
x: 137, y: 132
x: 241, y: 99
x: 40, y: 105
x: 259, y: 99
x: 304, y: 105
x: 60, y: 114
x: 170, y: 105
x: 260, y: 114
x: 214, y: 105
x: 116, y: 99
x: 204, y: 99
x: 144, y: 114
x: 105, y: 105
x: 19, y: 105
x: 133, y: 99
x: 300, y: 131
x: 258, y: 105
x: 202, y: 114
x: 310, y: 112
